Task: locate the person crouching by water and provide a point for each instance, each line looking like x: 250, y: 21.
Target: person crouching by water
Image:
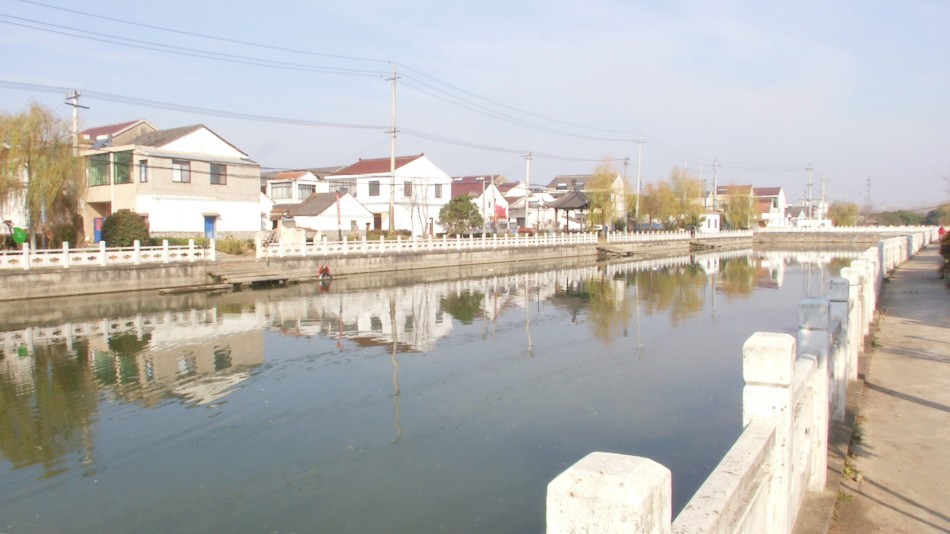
x: 325, y: 272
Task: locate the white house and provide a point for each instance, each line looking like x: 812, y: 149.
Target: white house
x: 415, y: 191
x: 772, y: 206
x: 485, y: 194
x: 711, y: 222
x: 331, y: 214
x: 186, y: 182
x: 293, y: 187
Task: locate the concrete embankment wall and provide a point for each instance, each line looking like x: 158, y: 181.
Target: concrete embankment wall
x: 58, y: 282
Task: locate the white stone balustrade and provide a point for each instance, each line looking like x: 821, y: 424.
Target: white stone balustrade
x: 793, y: 388
x: 103, y: 256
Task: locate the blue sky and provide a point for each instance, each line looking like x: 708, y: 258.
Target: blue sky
x: 857, y: 90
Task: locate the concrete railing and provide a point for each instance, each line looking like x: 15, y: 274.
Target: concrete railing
x: 794, y: 386
x: 347, y: 247
x: 844, y: 230
x: 103, y: 256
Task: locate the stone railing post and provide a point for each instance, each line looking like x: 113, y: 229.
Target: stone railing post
x: 607, y: 492
x: 213, y: 250
x: 814, y: 341
x: 26, y: 256
x: 65, y: 261
x: 768, y: 368
x: 102, y: 253
x: 839, y: 295
x: 191, y: 250
x: 258, y: 246
x: 136, y: 252
x: 346, y: 245
x: 164, y: 251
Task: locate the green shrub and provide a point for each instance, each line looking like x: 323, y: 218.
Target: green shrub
x: 123, y: 227
x: 233, y: 246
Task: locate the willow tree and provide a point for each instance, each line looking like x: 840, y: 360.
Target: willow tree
x: 39, y: 169
x: 741, y: 208
x: 687, y: 195
x: 843, y: 213
x: 658, y: 203
x: 602, y: 194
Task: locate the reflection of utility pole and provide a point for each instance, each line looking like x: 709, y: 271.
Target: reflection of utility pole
x: 527, y: 313
x: 395, y: 362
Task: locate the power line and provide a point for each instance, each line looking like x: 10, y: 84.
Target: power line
x: 448, y: 97
x: 205, y: 36
x: 180, y: 50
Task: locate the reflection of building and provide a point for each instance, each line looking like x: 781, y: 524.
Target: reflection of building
x: 158, y: 352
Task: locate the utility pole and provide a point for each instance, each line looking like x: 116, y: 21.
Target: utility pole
x: 72, y: 99
x: 867, y: 203
x: 636, y: 211
x: 392, y: 158
x: 808, y: 192
x: 527, y: 181
x: 824, y: 199
x: 715, y: 188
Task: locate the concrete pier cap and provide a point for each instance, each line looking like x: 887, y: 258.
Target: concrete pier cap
x: 608, y: 492
x: 813, y: 313
x: 769, y: 358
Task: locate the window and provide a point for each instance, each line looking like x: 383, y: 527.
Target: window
x: 98, y: 172
x: 219, y: 174
x: 374, y: 188
x: 438, y: 190
x: 122, y: 168
x: 181, y: 171
x: 305, y: 190
x: 281, y: 191
x: 407, y: 189
x: 143, y: 170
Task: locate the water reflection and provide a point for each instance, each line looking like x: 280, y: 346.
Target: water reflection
x: 59, y: 373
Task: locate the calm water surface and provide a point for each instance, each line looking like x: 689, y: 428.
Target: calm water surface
x: 374, y: 404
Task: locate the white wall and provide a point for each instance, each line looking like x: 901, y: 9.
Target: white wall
x: 171, y: 214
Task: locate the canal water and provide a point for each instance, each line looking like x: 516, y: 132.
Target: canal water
x: 426, y: 402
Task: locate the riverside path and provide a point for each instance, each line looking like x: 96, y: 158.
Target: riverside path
x: 899, y: 467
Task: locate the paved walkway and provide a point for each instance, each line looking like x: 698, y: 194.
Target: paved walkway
x: 902, y: 459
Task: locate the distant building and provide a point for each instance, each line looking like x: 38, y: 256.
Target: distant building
x: 417, y: 190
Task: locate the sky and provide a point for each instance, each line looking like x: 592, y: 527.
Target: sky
x: 856, y: 91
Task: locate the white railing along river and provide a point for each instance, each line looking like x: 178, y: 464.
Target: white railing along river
x: 104, y: 256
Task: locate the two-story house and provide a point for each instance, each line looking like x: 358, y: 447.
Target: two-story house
x: 415, y: 192
x: 186, y: 182
x: 772, y: 206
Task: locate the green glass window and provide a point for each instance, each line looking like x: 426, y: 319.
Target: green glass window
x: 98, y: 171
x: 122, y: 168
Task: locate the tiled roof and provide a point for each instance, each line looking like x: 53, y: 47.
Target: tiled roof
x: 766, y: 191
x: 374, y: 166
x: 734, y: 190
x: 568, y: 181
x: 572, y: 200
x: 315, y: 204
x: 163, y: 137
x: 111, y: 129
x: 496, y: 179
x: 290, y: 175
x: 470, y: 189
